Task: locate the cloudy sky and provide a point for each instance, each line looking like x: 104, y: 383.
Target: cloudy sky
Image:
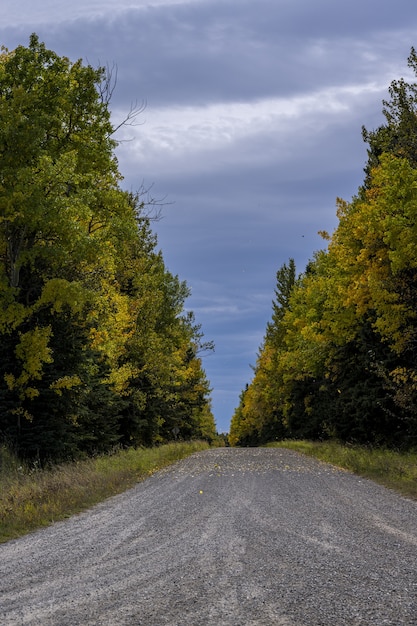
x: 251, y: 130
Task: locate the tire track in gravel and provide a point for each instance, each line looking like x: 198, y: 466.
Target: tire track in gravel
x: 240, y: 537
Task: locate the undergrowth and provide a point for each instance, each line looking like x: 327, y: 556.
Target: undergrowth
x: 31, y: 497
x: 396, y: 470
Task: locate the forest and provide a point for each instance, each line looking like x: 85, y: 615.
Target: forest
x: 339, y: 355
x: 97, y: 348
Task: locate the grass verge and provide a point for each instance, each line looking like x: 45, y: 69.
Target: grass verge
x: 395, y: 470
x: 31, y: 498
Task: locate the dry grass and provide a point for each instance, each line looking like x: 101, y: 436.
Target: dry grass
x: 31, y: 498
x: 396, y: 470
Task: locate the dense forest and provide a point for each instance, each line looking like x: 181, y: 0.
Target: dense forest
x: 339, y: 356
x: 97, y: 349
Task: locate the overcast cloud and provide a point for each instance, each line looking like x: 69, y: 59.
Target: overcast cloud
x: 251, y: 130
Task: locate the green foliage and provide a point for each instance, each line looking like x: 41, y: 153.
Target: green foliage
x: 96, y: 348
x: 399, y: 135
x: 339, y: 358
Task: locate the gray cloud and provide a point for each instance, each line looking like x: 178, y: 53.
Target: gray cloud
x: 204, y: 52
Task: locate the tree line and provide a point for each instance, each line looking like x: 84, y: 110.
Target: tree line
x: 96, y: 347
x: 339, y: 356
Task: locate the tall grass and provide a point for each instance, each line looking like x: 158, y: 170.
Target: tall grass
x: 31, y: 498
x: 396, y: 470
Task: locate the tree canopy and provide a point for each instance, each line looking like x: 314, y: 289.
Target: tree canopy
x: 96, y: 347
x: 339, y: 355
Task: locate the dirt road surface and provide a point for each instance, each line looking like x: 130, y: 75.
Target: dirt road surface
x: 238, y: 537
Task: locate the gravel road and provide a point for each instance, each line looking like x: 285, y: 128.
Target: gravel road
x: 238, y: 537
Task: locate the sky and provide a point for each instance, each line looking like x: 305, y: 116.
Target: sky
x: 250, y: 130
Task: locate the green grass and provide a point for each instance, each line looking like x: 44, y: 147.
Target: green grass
x: 395, y: 470
x: 31, y: 498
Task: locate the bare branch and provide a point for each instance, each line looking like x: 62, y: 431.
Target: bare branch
x: 131, y: 118
x: 106, y: 89
x: 146, y: 205
x: 108, y: 84
x: 205, y: 347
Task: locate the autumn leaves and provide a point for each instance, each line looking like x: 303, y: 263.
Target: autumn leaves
x: 96, y: 348
x: 339, y: 356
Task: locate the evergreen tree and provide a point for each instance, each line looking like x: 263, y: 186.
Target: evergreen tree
x: 398, y: 136
x: 259, y: 417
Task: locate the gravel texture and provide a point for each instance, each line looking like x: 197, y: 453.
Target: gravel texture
x: 236, y: 537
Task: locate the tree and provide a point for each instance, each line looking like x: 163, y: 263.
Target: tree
x: 94, y: 338
x: 259, y: 416
x: 285, y: 281
x: 398, y: 136
x: 339, y: 357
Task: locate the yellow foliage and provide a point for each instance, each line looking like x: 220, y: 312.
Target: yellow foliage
x: 60, y: 293
x: 65, y: 382
x: 10, y: 381
x: 33, y: 352
x: 121, y: 377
